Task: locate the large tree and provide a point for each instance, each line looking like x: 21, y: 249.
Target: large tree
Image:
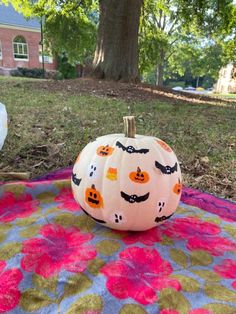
x: 116, y: 55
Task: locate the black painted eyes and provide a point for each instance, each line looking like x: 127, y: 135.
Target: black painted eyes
x: 140, y: 175
x: 161, y: 206
x: 94, y: 195
x: 118, y: 218
x: 92, y: 170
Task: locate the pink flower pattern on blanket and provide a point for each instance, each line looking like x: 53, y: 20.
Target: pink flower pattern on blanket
x: 12, y: 207
x: 200, y: 235
x: 66, y: 200
x: 149, y: 237
x: 227, y: 269
x: 47, y: 256
x: 59, y: 248
x: 9, y: 291
x: 138, y: 274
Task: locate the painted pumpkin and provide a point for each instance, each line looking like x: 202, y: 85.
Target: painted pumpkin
x: 104, y: 151
x: 137, y: 183
x: 93, y: 198
x: 139, y: 176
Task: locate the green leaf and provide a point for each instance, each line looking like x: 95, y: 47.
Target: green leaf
x: 207, y: 274
x: 76, y: 284
x: 33, y: 300
x: 46, y: 197
x: 230, y: 230
x: 188, y: 284
x: 62, y: 184
x: 215, y: 220
x: 90, y: 302
x: 4, y: 227
x: 17, y: 189
x: 171, y: 299
x: 182, y: 210
x: 49, y: 284
x: 30, y: 232
x: 166, y: 241
x: 2, y: 237
x: 108, y: 247
x: 199, y: 257
x: 110, y: 234
x: 52, y: 210
x: 95, y: 265
x: 218, y: 308
x: 220, y: 293
x: 132, y: 309
x: 82, y: 222
x: 179, y: 257
x: 9, y: 250
x: 26, y: 221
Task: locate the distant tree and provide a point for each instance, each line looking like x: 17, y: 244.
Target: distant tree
x: 167, y: 25
x: 195, y: 59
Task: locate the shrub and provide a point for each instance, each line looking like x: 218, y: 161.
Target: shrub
x: 25, y: 72
x: 68, y: 70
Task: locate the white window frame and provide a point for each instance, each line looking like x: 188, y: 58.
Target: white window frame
x: 20, y: 46
x: 0, y: 50
x: 47, y: 59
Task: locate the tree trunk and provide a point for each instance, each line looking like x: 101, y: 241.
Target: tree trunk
x: 197, y: 82
x: 116, y: 55
x: 160, y: 69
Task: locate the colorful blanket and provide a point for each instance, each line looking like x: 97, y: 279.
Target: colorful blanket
x: 55, y: 259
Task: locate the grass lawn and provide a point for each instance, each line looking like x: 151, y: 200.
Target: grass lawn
x: 227, y: 96
x: 49, y: 126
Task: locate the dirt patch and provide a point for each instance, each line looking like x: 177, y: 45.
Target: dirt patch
x: 127, y: 92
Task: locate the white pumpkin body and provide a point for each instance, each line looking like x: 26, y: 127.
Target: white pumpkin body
x: 3, y: 124
x: 122, y: 200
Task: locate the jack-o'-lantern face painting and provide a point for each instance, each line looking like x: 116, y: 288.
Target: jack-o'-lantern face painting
x: 177, y: 187
x: 93, y: 197
x: 105, y: 150
x: 139, y: 176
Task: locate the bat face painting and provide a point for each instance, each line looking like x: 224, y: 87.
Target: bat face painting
x: 127, y: 183
x: 131, y: 150
x: 134, y: 198
x: 166, y: 169
x: 75, y: 180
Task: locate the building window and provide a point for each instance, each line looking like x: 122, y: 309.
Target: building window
x: 20, y: 48
x: 47, y: 57
x: 0, y: 50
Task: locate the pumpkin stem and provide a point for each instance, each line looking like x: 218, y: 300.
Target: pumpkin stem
x: 93, y: 187
x: 129, y: 126
x: 138, y: 169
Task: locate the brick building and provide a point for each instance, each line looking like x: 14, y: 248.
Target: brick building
x: 20, y: 42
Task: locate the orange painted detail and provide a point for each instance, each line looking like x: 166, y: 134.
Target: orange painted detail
x: 164, y: 146
x: 139, y: 176
x: 177, y: 188
x: 104, y: 151
x: 93, y: 197
x: 112, y: 174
